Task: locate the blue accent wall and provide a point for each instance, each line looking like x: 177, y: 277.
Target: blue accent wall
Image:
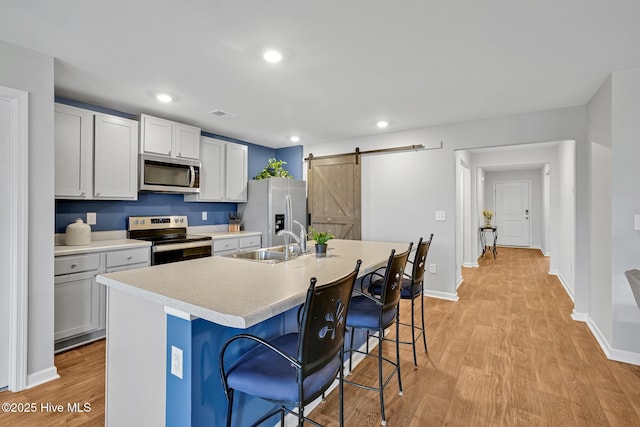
x: 293, y: 157
x: 112, y: 214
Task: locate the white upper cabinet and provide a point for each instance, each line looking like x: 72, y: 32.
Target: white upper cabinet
x: 236, y: 172
x: 95, y: 155
x: 167, y: 138
x: 115, y: 149
x: 73, y: 151
x: 223, y: 175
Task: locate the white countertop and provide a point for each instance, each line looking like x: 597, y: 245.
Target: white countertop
x: 240, y: 293
x: 115, y: 244
x: 100, y: 246
x: 229, y: 234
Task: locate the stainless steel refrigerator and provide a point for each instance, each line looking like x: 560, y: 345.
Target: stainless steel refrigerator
x: 266, y: 208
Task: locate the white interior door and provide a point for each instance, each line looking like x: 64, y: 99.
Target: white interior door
x: 512, y: 207
x: 5, y: 276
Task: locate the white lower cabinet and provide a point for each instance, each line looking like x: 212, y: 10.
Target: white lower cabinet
x: 231, y: 245
x: 80, y: 312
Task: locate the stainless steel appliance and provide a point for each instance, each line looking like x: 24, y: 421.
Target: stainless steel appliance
x: 169, y: 239
x: 266, y: 207
x: 163, y: 174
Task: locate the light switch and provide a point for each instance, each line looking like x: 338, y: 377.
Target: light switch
x: 204, y: 216
x: 91, y: 218
x: 440, y: 216
x: 636, y: 222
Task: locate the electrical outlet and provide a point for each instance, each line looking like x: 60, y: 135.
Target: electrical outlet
x: 204, y: 216
x: 440, y: 216
x: 176, y: 361
x: 433, y: 269
x: 91, y: 218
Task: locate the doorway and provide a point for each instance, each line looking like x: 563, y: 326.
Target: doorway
x: 335, y: 195
x: 14, y: 191
x: 550, y: 168
x: 512, y: 205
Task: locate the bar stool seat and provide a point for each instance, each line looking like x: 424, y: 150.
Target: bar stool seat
x: 294, y: 369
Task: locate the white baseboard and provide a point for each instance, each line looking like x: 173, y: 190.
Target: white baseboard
x: 459, y: 282
x: 612, y: 353
x: 471, y: 265
x: 579, y: 316
x: 563, y: 283
x: 42, y: 377
x: 441, y: 295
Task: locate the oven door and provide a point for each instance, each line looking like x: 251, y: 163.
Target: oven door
x: 169, y: 175
x: 174, y: 252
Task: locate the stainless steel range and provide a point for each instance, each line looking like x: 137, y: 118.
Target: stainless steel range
x: 169, y: 239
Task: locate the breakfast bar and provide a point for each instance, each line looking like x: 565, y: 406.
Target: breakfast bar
x: 167, y: 323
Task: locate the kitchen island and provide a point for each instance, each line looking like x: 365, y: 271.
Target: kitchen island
x: 175, y: 317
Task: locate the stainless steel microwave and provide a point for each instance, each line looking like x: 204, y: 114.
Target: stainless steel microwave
x: 168, y: 175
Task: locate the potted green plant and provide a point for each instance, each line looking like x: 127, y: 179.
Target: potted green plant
x: 274, y: 168
x: 321, y: 238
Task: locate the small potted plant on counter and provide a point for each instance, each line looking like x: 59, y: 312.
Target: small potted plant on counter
x: 321, y: 238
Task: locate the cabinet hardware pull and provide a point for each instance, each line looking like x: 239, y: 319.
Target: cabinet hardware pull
x: 74, y: 265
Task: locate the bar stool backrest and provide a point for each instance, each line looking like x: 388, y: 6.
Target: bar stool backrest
x: 419, y: 262
x: 323, y: 322
x: 393, y: 279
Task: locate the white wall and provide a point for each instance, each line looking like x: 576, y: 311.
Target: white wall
x: 625, y: 203
x: 33, y: 72
x: 565, y: 223
x: 402, y: 191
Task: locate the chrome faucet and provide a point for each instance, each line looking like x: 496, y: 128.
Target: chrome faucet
x: 301, y: 240
x: 288, y: 235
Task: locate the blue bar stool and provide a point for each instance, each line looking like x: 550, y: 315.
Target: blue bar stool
x: 294, y: 369
x: 412, y: 289
x: 376, y: 314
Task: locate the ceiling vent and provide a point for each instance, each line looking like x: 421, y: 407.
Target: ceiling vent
x: 223, y: 114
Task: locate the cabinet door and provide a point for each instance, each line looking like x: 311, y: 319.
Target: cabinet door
x: 186, y: 141
x: 115, y: 164
x: 73, y: 140
x: 156, y: 135
x: 212, y: 158
x: 236, y: 173
x: 77, y: 304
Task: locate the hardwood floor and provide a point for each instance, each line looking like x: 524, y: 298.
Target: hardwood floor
x: 506, y: 354
x: 81, y: 381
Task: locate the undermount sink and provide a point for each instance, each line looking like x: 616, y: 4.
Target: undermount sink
x: 271, y: 255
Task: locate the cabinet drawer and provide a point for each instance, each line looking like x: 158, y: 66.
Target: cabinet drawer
x: 250, y: 241
x: 127, y: 257
x: 225, y: 245
x: 76, y: 264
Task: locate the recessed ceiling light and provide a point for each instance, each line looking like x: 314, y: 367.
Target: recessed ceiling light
x: 294, y: 138
x: 163, y: 97
x: 272, y: 56
x: 382, y: 124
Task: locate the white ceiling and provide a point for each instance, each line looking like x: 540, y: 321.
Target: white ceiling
x: 347, y: 63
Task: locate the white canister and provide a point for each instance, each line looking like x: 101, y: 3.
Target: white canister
x: 78, y: 233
